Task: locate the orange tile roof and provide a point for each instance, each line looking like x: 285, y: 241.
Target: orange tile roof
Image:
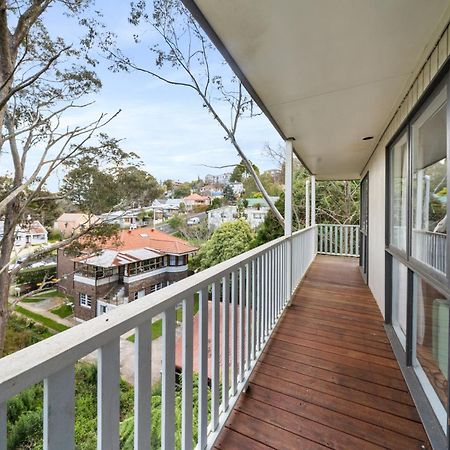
x: 149, y: 238
x: 196, y: 197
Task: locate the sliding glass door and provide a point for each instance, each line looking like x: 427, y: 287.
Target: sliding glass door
x: 419, y: 290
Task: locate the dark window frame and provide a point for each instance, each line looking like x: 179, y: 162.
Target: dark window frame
x: 439, y: 281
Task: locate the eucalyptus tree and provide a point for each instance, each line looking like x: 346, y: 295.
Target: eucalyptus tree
x: 43, y: 78
x: 183, y: 56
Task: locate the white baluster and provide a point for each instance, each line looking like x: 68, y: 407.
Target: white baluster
x: 234, y: 293
x: 187, y: 374
x: 59, y: 410
x: 142, y: 385
x: 3, y: 434
x: 108, y: 396
x: 225, y: 342
x: 242, y: 282
x: 215, y: 394
x: 203, y: 372
x: 248, y: 310
x: 254, y: 315
x: 168, y: 380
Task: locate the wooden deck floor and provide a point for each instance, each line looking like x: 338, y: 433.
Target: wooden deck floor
x: 328, y: 377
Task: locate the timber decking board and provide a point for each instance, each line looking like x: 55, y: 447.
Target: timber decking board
x: 328, y: 377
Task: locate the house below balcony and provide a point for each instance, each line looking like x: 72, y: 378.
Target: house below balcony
x: 137, y: 263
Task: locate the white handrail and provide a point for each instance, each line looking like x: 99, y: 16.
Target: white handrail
x: 251, y: 288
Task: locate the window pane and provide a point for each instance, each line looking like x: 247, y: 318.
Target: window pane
x: 399, y: 297
x: 429, y: 202
x: 432, y: 335
x: 399, y: 177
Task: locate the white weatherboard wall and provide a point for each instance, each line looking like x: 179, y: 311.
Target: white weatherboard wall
x: 377, y: 183
x: 426, y: 72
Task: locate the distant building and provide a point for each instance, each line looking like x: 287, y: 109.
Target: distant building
x: 165, y: 208
x: 68, y: 223
x: 135, y: 264
x: 238, y: 188
x: 131, y: 218
x: 221, y: 179
x: 29, y: 233
x: 259, y: 202
x: 196, y: 200
x: 276, y: 175
x: 253, y: 216
x: 212, y: 190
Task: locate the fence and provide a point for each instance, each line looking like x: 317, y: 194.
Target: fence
x: 340, y: 240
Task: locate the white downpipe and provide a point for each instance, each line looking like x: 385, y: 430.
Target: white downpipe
x: 313, y: 200
x: 308, y: 204
x: 288, y: 214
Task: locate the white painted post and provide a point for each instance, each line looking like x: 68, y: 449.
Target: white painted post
x: 108, y: 396
x: 288, y: 215
x: 3, y: 434
x: 308, y: 204
x: 187, y: 374
x: 59, y: 410
x: 168, y: 380
x: 142, y: 385
x: 313, y: 200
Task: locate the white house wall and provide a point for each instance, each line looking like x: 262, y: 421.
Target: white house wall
x: 377, y: 183
x: 376, y: 166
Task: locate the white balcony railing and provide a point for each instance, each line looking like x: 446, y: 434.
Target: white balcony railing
x: 340, y: 240
x: 430, y: 248
x: 252, y: 288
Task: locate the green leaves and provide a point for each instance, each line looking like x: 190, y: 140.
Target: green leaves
x: 229, y: 240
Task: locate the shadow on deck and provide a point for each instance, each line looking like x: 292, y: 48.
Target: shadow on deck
x: 328, y: 377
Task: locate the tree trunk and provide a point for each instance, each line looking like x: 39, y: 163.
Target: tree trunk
x: 5, y: 256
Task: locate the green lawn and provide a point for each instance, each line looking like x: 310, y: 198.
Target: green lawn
x: 62, y: 311
x: 157, y: 325
x: 41, y: 319
x: 156, y: 331
x: 43, y: 295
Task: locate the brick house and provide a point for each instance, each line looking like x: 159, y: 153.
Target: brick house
x: 138, y: 263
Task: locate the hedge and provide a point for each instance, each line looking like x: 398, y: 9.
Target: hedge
x: 36, y: 275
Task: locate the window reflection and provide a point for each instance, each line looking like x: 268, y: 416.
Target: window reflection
x: 399, y: 173
x: 432, y: 321
x: 399, y: 297
x: 429, y: 202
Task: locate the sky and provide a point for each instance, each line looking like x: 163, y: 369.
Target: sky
x: 165, y: 125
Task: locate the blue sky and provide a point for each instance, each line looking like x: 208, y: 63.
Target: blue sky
x: 165, y: 125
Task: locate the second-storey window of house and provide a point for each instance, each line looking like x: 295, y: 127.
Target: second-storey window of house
x: 144, y: 266
x: 85, y: 300
x: 172, y: 260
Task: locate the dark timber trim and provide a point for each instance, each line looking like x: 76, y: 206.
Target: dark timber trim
x: 432, y: 427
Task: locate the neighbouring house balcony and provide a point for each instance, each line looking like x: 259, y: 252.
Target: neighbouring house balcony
x: 93, y: 281
x: 296, y: 357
